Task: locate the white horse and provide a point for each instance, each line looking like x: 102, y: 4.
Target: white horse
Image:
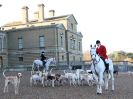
x: 38, y: 63
x: 98, y: 69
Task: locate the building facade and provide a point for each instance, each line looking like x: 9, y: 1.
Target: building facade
x: 3, y: 49
x: 57, y: 36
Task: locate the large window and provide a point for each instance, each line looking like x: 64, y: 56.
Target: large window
x: 62, y: 58
x: 61, y: 38
x: 0, y: 44
x: 72, y: 43
x: 71, y: 26
x: 20, y: 43
x: 74, y: 58
x: 79, y: 46
x: 41, y: 41
x: 80, y: 59
x: 4, y: 43
x: 20, y: 59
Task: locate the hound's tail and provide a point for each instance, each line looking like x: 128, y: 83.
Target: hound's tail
x: 4, y: 73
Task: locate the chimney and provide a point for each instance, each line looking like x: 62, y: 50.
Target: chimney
x: 41, y: 12
x: 25, y: 14
x: 51, y: 13
x: 36, y: 15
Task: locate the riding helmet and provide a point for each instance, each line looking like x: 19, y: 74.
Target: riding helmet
x: 98, y: 41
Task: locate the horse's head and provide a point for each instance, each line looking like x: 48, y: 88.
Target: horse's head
x: 51, y: 60
x: 93, y: 52
x: 54, y: 60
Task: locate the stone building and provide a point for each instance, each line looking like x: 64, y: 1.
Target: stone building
x: 57, y: 36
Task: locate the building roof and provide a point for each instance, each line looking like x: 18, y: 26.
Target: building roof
x: 61, y: 26
x: 12, y: 23
x: 36, y: 21
x: 79, y: 33
x: 63, y: 16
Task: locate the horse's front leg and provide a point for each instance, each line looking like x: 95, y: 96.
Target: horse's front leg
x: 100, y: 83
x: 95, y: 77
x: 106, y: 81
x: 112, y: 78
x: 98, y: 88
x: 38, y: 68
x: 46, y: 67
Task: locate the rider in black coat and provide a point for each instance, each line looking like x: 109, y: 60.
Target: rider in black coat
x: 43, y: 58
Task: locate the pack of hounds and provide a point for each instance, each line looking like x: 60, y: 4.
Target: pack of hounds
x: 73, y: 78
x: 45, y: 78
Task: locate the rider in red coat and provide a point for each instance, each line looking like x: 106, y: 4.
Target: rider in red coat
x: 101, y: 51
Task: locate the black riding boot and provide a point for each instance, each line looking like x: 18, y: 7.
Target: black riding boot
x: 107, y: 67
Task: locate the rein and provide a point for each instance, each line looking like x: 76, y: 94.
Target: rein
x: 94, y: 63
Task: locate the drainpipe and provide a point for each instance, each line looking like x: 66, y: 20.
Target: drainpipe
x: 67, y: 54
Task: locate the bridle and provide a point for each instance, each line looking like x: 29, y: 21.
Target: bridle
x: 94, y: 60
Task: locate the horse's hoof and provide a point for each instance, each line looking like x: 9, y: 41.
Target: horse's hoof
x: 99, y: 93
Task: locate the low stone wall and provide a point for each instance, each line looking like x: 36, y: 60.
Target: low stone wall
x: 120, y: 68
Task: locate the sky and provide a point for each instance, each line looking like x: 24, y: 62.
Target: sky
x: 110, y: 21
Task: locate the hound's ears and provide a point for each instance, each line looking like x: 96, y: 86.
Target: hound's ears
x: 91, y: 45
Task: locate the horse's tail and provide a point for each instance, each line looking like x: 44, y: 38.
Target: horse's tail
x: 4, y: 73
x: 51, y: 71
x: 64, y: 71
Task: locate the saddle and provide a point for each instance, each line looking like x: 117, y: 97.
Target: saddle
x: 44, y: 62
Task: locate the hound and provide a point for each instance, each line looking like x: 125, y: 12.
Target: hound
x: 87, y: 77
x: 63, y: 79
x: 15, y: 80
x: 51, y: 77
x: 72, y: 77
x: 37, y: 77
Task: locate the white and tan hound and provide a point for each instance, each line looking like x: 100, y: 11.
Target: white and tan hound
x: 15, y: 80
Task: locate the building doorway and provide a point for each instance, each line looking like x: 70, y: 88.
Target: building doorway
x: 1, y: 62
